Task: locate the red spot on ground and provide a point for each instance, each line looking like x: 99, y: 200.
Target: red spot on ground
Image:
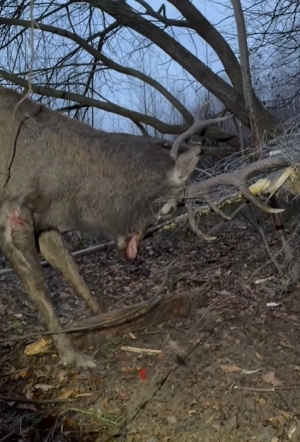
x: 143, y: 374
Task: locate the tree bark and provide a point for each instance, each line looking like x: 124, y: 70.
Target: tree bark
x: 251, y: 104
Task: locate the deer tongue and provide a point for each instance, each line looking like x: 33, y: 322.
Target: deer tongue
x: 132, y: 247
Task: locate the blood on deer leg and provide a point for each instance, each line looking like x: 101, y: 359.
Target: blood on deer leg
x: 54, y: 250
x: 18, y: 245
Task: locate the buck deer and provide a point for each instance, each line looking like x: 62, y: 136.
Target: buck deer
x: 59, y: 174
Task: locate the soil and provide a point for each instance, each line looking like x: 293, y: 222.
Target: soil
x: 230, y: 371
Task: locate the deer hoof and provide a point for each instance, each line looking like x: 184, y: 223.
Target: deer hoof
x: 77, y: 359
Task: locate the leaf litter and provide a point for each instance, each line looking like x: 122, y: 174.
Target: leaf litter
x: 229, y: 371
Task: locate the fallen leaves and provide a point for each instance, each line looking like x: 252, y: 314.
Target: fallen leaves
x: 270, y: 378
x: 172, y: 420
x: 230, y: 368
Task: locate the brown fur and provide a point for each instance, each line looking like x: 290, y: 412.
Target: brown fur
x: 66, y: 175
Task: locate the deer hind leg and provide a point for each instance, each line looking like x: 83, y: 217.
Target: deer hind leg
x: 18, y: 245
x: 54, y: 250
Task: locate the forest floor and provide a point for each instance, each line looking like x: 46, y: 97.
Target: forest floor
x: 230, y: 371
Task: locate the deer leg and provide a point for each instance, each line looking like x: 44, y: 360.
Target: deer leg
x: 54, y: 250
x: 18, y: 245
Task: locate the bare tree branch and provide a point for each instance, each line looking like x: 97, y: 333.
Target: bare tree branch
x: 107, y: 61
x: 231, y: 98
x: 162, y: 127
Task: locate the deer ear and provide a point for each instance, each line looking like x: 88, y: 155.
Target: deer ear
x: 185, y: 165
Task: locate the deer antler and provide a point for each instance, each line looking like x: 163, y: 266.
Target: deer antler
x: 197, y: 126
x: 238, y: 180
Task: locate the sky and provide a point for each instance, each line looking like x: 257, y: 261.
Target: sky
x: 215, y: 13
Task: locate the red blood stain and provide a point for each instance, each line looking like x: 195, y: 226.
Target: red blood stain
x: 143, y: 374
x: 14, y: 219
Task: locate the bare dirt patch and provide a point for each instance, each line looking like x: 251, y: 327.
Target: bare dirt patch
x: 228, y: 372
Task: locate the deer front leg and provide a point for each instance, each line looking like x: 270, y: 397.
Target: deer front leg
x: 18, y: 245
x: 54, y: 250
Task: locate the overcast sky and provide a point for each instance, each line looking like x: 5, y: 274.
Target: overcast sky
x: 172, y: 75
x: 214, y: 11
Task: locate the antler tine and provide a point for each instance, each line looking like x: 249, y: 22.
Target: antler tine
x: 215, y: 208
x: 192, y: 221
x: 238, y: 180
x: 249, y: 196
x: 197, y: 126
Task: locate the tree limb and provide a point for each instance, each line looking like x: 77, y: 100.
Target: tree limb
x: 230, y: 97
x: 105, y: 60
x: 162, y: 127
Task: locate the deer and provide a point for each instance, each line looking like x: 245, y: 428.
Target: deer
x: 58, y: 174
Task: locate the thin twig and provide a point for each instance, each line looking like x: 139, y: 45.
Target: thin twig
x: 9, y: 436
x: 265, y: 390
x: 269, y: 251
x: 24, y: 400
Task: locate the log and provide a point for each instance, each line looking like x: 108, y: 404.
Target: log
x: 95, y: 331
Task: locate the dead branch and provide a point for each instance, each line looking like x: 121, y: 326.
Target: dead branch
x: 34, y: 401
x: 267, y: 247
x: 94, y: 332
x: 238, y: 180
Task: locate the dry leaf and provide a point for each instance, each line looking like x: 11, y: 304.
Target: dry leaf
x: 123, y: 394
x: 66, y: 394
x: 43, y: 387
x: 23, y: 373
x: 128, y: 369
x: 277, y: 419
x: 43, y: 346
x: 286, y: 414
x: 29, y: 394
x: 230, y: 368
x: 172, y: 419
x: 61, y: 375
x: 269, y: 377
